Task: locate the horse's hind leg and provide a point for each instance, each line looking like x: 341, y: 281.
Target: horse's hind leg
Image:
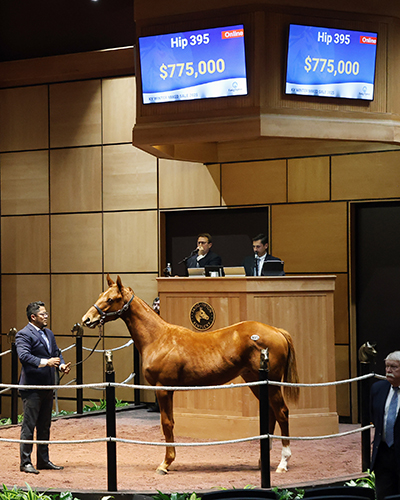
x: 272, y: 417
x: 165, y: 400
x: 281, y: 412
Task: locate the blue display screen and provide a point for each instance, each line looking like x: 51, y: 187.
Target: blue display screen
x: 329, y: 62
x: 193, y: 65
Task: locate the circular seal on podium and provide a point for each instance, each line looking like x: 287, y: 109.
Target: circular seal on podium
x: 202, y: 316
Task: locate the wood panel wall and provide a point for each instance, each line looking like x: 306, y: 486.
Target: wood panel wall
x: 77, y: 201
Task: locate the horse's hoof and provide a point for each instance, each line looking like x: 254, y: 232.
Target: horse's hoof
x: 280, y: 470
x: 162, y: 472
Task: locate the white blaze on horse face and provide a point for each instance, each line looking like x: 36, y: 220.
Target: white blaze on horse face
x: 255, y: 337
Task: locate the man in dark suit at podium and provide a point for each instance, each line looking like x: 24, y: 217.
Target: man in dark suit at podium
x: 40, y: 357
x: 253, y: 264
x: 202, y: 255
x: 385, y: 403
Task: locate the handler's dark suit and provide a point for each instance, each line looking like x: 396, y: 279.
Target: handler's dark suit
x: 211, y: 259
x: 385, y: 461
x: 38, y: 403
x: 249, y: 264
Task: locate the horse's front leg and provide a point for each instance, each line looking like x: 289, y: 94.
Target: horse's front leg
x: 165, y: 401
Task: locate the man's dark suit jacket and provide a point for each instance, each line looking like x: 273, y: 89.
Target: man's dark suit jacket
x: 379, y: 393
x: 31, y: 349
x: 248, y: 264
x: 211, y: 259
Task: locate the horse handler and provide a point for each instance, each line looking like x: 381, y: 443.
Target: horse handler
x: 39, y: 355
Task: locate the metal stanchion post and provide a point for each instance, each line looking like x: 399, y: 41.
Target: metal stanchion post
x: 365, y: 418
x: 14, y: 376
x: 366, y: 354
x: 136, y: 364
x: 79, y: 367
x: 111, y: 426
x: 14, y: 380
x: 264, y: 421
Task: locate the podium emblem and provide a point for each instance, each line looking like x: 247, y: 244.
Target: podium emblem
x: 202, y: 316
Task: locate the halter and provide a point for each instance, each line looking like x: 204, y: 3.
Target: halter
x: 118, y: 314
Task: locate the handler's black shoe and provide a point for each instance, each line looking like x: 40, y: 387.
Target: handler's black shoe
x: 29, y: 468
x: 50, y: 466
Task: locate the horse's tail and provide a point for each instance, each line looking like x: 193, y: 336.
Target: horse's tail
x: 291, y: 374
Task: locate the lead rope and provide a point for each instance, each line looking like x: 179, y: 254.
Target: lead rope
x: 75, y: 327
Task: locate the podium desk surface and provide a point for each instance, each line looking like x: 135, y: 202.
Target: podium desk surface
x: 248, y: 284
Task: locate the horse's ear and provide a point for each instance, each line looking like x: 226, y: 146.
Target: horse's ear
x: 109, y: 280
x: 119, y: 283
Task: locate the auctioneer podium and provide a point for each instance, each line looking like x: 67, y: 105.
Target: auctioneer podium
x: 302, y: 305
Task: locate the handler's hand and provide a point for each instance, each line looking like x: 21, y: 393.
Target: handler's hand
x: 53, y: 362
x: 66, y: 368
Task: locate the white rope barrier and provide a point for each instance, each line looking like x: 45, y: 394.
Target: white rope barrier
x: 130, y: 342
x: 74, y: 441
x: 172, y: 388
x: 207, y: 443
x: 124, y: 383
x: 190, y: 388
x: 322, y: 384
x: 68, y: 348
x: 56, y: 387
x: 131, y: 376
x: 104, y: 385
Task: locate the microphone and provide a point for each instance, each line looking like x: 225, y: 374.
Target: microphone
x: 256, y: 261
x: 194, y: 251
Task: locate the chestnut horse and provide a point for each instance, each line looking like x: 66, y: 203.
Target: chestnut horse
x: 176, y: 356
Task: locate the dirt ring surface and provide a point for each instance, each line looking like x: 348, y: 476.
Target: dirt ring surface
x: 196, y: 468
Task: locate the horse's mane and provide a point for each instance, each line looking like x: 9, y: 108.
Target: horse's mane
x: 146, y: 306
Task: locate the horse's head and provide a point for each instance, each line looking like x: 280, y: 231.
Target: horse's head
x: 201, y: 314
x: 110, y: 305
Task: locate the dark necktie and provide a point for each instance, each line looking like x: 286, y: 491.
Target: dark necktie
x: 45, y: 338
x: 256, y: 266
x: 391, y: 418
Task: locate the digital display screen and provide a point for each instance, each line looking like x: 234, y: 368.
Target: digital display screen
x: 329, y: 62
x: 193, y: 65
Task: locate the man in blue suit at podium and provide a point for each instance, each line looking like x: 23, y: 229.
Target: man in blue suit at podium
x: 40, y: 357
x: 202, y: 255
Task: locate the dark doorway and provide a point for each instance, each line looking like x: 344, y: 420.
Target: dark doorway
x: 231, y: 230
x: 377, y: 259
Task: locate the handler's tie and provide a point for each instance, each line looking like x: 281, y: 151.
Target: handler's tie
x: 391, y: 418
x: 45, y: 338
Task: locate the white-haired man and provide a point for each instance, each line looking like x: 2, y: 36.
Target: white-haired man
x: 385, y: 403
